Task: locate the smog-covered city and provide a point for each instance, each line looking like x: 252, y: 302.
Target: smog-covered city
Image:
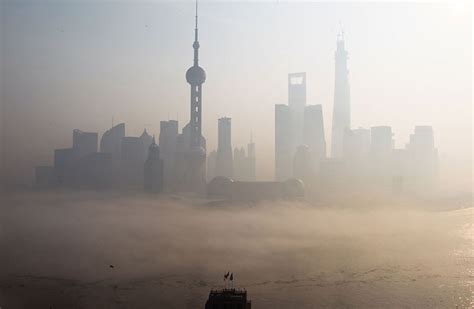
x: 213, y: 154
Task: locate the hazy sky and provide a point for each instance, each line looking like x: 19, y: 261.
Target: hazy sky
x: 77, y: 64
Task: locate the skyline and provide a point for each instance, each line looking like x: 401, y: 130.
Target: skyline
x: 220, y: 80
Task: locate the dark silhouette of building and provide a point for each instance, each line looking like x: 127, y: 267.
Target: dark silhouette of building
x: 84, y: 143
x: 111, y: 141
x: 132, y: 150
x: 147, y: 140
x: 341, y: 118
x: 153, y: 170
x: 224, y: 160
x: 228, y: 299
x: 133, y: 156
x: 82, y: 166
x: 168, y: 140
x: 191, y: 171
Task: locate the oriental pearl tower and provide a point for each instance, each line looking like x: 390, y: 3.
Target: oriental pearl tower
x: 196, y: 76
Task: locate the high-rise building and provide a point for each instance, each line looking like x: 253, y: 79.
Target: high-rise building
x: 314, y: 132
x: 147, y: 140
x: 297, y: 104
x: 341, y: 118
x: 193, y: 174
x: 284, y: 146
x: 290, y: 128
x: 153, y: 170
x: 168, y: 146
x: 224, y: 160
x: 133, y: 156
x: 84, y: 143
x: 111, y: 140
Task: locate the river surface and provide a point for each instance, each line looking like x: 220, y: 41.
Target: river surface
x: 88, y: 250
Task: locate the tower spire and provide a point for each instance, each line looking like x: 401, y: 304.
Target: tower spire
x: 196, y: 26
x: 196, y: 42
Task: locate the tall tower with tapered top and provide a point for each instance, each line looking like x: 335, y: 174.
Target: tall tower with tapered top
x: 196, y: 76
x: 341, y: 117
x: 194, y: 176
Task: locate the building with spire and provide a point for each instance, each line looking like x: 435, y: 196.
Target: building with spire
x: 191, y: 153
x: 341, y: 117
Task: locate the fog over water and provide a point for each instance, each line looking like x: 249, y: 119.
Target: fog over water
x: 169, y: 252
x: 369, y: 234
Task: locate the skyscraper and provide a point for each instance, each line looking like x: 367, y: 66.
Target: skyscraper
x: 290, y: 126
x: 168, y: 143
x: 341, y: 117
x: 111, y: 140
x: 224, y: 160
x: 297, y: 104
x: 192, y: 173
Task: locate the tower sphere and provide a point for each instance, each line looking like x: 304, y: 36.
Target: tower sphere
x: 195, y: 75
